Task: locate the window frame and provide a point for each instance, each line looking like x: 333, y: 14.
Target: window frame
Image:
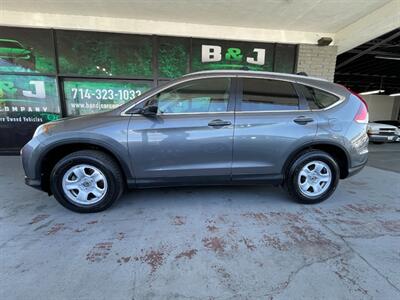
x: 341, y: 98
x: 302, y: 105
x: 134, y: 110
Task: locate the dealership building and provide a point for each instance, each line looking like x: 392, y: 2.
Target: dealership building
x: 64, y: 58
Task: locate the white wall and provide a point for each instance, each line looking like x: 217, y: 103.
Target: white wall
x: 380, y: 107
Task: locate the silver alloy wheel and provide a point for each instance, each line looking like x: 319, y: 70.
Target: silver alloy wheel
x: 84, y: 184
x: 314, y: 178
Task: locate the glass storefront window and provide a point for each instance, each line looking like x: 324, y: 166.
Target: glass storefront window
x: 173, y: 57
x: 26, y: 50
x: 25, y: 103
x: 218, y: 54
x: 104, y: 54
x: 28, y: 99
x: 91, y: 96
x: 285, y: 58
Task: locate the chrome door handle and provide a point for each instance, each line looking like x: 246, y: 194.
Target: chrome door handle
x: 219, y: 123
x: 302, y: 120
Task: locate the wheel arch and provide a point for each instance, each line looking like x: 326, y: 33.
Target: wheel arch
x: 337, y: 151
x: 56, y: 151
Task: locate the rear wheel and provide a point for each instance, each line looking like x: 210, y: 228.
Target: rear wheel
x: 312, y: 177
x: 86, y: 181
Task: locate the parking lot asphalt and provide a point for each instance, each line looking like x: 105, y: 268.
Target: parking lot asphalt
x: 240, y: 242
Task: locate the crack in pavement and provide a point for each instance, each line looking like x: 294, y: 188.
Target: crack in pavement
x: 282, y: 286
x: 343, y: 238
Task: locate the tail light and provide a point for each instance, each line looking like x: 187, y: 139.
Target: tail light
x: 362, y: 113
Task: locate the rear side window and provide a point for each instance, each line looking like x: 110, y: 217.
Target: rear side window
x: 266, y: 94
x: 316, y: 98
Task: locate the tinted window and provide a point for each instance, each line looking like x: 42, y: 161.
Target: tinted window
x: 104, y: 54
x: 26, y: 50
x: 204, y: 95
x: 8, y: 44
x: 264, y: 94
x: 316, y: 98
x: 173, y: 57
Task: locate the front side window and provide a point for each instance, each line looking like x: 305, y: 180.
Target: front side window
x: 316, y: 98
x: 268, y: 95
x: 197, y: 96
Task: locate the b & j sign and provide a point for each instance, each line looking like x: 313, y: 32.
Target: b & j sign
x: 213, y: 53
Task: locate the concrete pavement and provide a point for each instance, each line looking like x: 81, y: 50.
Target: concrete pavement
x: 239, y: 242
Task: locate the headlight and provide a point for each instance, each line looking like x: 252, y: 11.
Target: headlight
x: 44, y: 128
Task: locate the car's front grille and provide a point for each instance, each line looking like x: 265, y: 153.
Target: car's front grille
x: 387, y: 132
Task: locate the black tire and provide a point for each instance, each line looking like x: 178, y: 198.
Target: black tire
x: 291, y: 179
x: 106, y: 164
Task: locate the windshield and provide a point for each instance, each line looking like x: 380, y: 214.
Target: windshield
x: 9, y: 44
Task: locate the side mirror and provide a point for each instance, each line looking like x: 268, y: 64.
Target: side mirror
x: 149, y: 111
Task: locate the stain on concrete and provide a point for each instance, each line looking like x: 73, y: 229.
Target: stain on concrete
x: 188, y: 254
x: 274, y: 242
x: 43, y: 225
x: 215, y: 244
x: 154, y: 258
x: 99, y: 252
x: 258, y: 216
x: 348, y: 278
x: 92, y: 222
x: 179, y: 220
x: 39, y: 218
x: 120, y: 236
x: 123, y: 259
x: 225, y: 277
x: 56, y: 228
x: 364, y: 208
x: 212, y: 228
x: 347, y: 221
x: 249, y: 244
x: 391, y: 225
x: 307, y: 236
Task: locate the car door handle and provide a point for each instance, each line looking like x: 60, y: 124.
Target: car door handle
x: 219, y: 123
x: 302, y: 120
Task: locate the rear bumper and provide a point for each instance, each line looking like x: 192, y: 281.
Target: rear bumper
x: 353, y: 171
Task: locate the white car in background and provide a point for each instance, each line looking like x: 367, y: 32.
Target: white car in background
x: 382, y: 133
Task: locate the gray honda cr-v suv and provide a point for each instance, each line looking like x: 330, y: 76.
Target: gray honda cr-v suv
x: 212, y: 127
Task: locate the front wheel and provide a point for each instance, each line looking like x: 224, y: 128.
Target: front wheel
x: 86, y: 181
x: 312, y: 177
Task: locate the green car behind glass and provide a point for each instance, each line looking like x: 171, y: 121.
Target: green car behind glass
x: 14, y: 52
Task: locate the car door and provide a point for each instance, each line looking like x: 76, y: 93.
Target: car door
x: 190, y: 137
x: 271, y: 121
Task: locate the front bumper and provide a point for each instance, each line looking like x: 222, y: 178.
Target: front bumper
x: 376, y: 138
x: 35, y: 183
x: 30, y: 156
